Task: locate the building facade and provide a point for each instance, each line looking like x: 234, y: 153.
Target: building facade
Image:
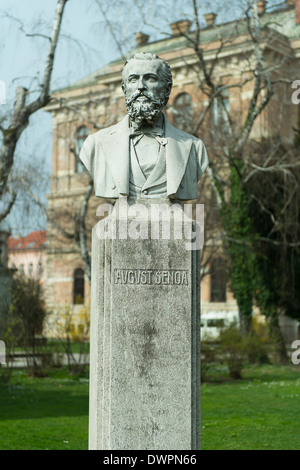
x: 97, y: 101
x: 27, y: 255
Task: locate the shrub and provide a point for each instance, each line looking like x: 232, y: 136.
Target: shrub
x: 208, y: 356
x: 27, y: 311
x: 72, y: 326
x: 258, y: 342
x: 233, y: 346
x: 10, y: 340
x: 256, y: 349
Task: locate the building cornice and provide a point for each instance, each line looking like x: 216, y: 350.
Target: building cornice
x: 271, y: 40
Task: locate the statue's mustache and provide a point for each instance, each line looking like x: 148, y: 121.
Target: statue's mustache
x: 137, y: 94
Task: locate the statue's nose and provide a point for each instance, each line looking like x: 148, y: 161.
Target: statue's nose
x: 141, y: 84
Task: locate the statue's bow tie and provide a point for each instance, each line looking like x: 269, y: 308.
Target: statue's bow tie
x: 146, y: 131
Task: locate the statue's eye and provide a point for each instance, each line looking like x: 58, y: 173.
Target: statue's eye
x: 152, y: 78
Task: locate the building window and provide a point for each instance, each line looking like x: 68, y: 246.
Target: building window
x: 218, y: 281
x: 21, y: 269
x: 81, y: 135
x: 183, y: 111
x: 78, y: 286
x: 30, y: 269
x: 220, y: 109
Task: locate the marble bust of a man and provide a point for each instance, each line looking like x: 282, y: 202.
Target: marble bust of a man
x: 144, y: 156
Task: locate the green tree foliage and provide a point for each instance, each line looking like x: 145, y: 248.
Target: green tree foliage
x: 276, y: 220
x: 239, y: 235
x: 261, y: 221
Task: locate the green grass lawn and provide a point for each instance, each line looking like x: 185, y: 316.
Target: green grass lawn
x: 259, y: 412
x: 45, y: 413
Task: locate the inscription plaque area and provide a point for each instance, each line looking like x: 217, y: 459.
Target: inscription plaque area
x: 145, y: 345
x: 160, y: 277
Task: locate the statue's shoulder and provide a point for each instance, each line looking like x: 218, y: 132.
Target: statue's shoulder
x: 180, y: 134
x: 106, y: 131
x: 187, y: 136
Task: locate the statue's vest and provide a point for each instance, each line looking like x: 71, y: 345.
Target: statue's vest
x: 153, y: 185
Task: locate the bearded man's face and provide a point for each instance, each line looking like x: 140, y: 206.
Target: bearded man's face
x: 145, y: 90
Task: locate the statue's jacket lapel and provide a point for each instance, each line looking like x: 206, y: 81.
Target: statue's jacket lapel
x: 178, y: 150
x: 115, y: 144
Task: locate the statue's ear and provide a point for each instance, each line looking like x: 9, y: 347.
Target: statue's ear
x: 168, y: 88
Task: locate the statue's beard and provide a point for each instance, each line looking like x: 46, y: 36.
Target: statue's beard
x: 148, y: 111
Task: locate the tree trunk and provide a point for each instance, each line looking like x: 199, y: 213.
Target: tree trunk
x: 245, y: 322
x: 277, y: 337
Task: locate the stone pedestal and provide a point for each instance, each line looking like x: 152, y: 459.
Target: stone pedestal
x: 145, y: 338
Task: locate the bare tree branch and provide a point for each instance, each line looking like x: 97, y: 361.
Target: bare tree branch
x: 22, y: 112
x: 68, y: 235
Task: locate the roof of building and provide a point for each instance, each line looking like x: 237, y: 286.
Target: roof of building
x: 280, y: 19
x: 33, y: 241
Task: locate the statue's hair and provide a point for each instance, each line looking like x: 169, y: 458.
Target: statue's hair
x: 165, y: 68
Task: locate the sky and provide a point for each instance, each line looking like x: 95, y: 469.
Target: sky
x: 79, y: 51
